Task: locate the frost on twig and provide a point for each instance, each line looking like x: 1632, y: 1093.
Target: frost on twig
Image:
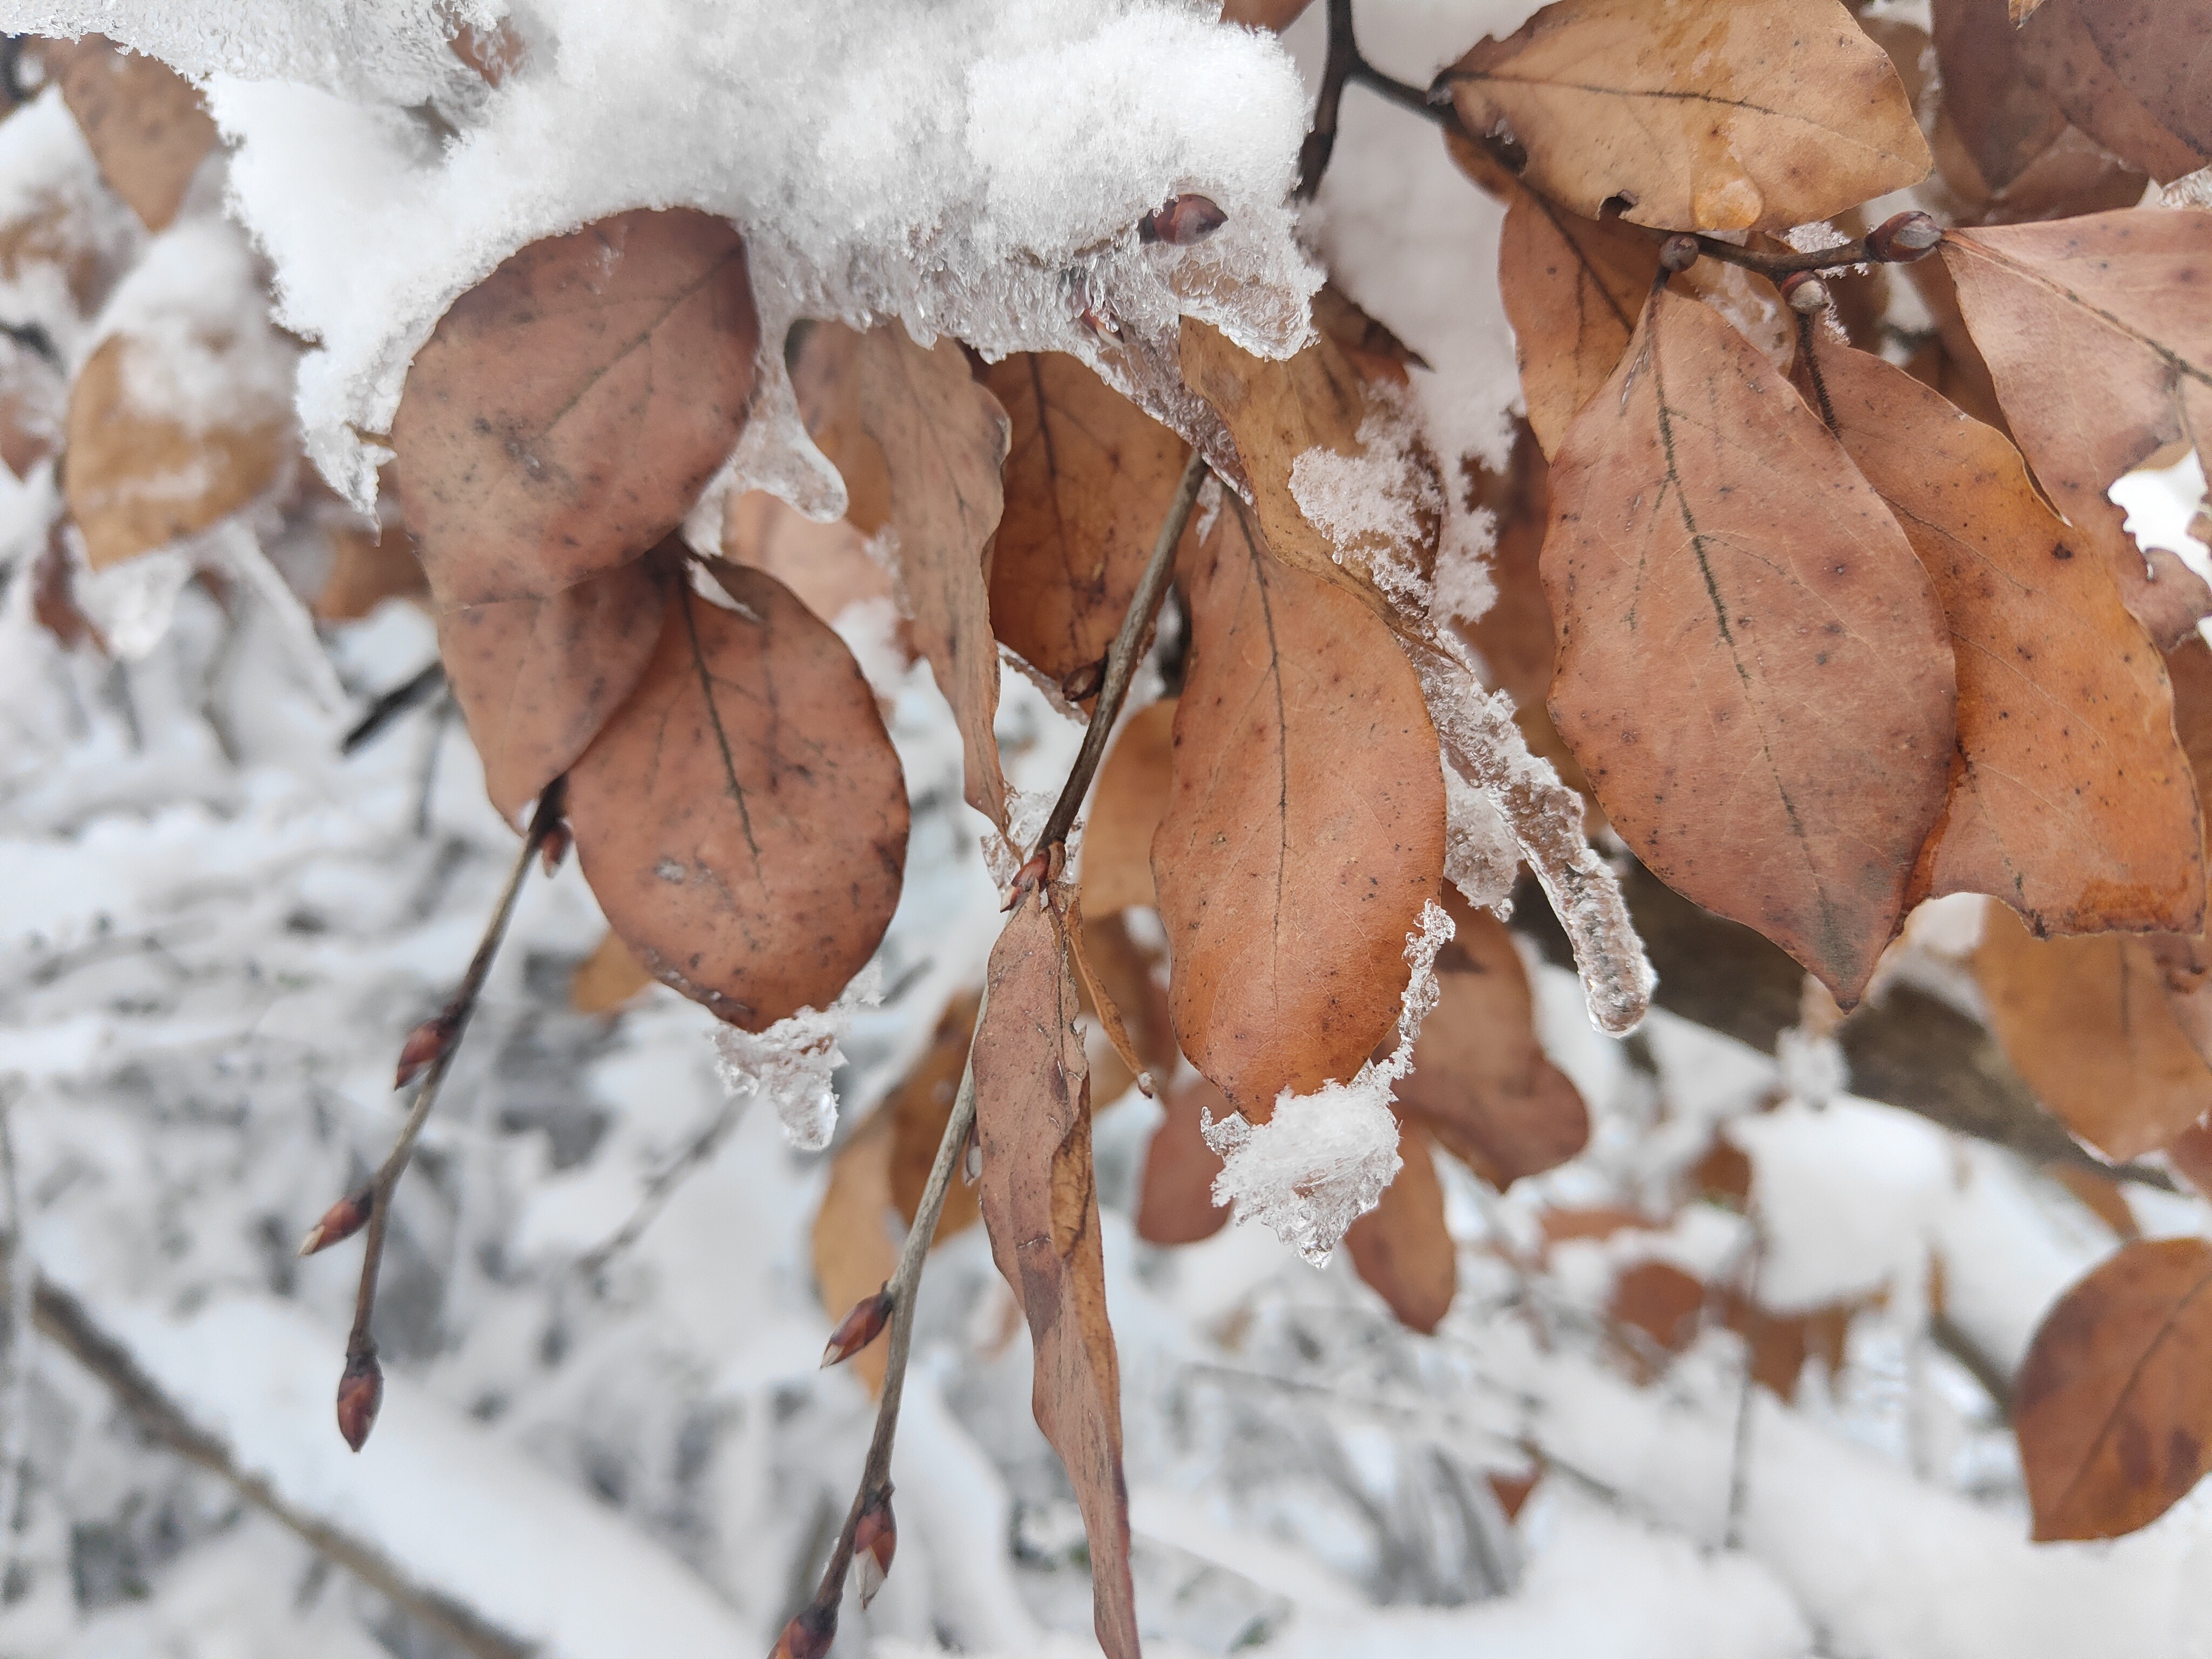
x: 1320, y: 1161
x: 1482, y: 743
x: 790, y: 1065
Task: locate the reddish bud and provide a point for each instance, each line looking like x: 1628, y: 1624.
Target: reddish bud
x: 1181, y: 221
x: 808, y: 1636
x: 1100, y: 323
x: 875, y: 1539
x: 858, y: 1328
x: 1085, y: 682
x: 341, y: 1221
x: 1678, y: 251
x: 425, y: 1046
x: 361, y: 1392
x: 1904, y: 238
x: 554, y: 848
x: 1806, y: 293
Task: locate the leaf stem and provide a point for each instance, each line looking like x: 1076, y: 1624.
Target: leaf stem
x: 811, y: 1632
x: 1347, y: 67
x: 361, y: 1346
x: 393, y: 703
x: 1122, y: 660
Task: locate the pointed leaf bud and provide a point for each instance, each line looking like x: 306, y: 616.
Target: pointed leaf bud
x: 859, y: 1328
x: 360, y: 1393
x: 341, y: 1221
x: 1182, y: 220
x: 1085, y: 682
x: 808, y: 1636
x: 875, y: 1540
x: 554, y: 848
x: 425, y: 1046
x: 1904, y: 238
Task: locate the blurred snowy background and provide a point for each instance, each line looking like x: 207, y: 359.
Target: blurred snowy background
x: 604, y: 1434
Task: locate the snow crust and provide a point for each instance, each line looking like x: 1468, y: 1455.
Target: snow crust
x: 793, y: 1065
x: 1320, y: 1161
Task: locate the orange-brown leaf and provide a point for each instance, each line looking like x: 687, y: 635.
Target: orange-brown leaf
x: 827, y: 565
x: 854, y: 1241
x: 607, y: 978
x: 1304, y: 825
x: 143, y: 120
x: 1573, y: 289
x: 1089, y: 476
x: 1040, y: 1200
x: 2002, y: 119
x: 2069, y: 799
x: 743, y: 818
x: 2086, y: 1024
x: 2114, y: 1408
x: 2098, y: 332
x: 943, y: 438
x: 2157, y: 50
x: 1175, y: 1198
x: 137, y: 480
x: 1401, y: 1249
x: 369, y: 564
x: 1700, y: 115
x: 825, y: 380
x: 536, y: 678
x: 565, y: 413
x: 1125, y: 813
x: 919, y: 1108
x: 1481, y: 1082
x: 1751, y: 666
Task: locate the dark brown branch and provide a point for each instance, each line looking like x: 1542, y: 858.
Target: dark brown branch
x: 1347, y: 67
x: 1122, y: 660
x: 1911, y: 1049
x: 431, y: 1049
x: 66, y: 1322
x: 392, y: 704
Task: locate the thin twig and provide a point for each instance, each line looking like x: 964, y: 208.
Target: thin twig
x: 1122, y: 660
x: 811, y: 1632
x: 392, y: 704
x: 1345, y: 67
x: 361, y: 1346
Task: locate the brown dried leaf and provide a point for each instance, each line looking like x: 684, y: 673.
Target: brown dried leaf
x: 1089, y: 476
x: 2099, y: 334
x: 919, y: 1108
x: 2111, y: 1410
x: 1661, y: 1303
x: 565, y: 413
x: 1277, y: 14
x: 2058, y: 53
x: 607, y: 978
x: 2157, y: 50
x: 743, y: 818
x: 536, y: 678
x: 1125, y: 813
x: 2001, y: 120
x: 1367, y: 344
x: 135, y: 481
x: 1124, y: 969
x: 33, y: 403
x: 1040, y: 1200
x: 1702, y: 115
x: 944, y: 439
x: 827, y: 565
x: 2086, y: 1022
x: 1753, y: 668
x: 1304, y: 825
x: 143, y: 120
x: 1401, y: 1249
x: 856, y: 1246
x: 2070, y: 798
x: 1481, y: 1082
x: 2073, y: 177
x: 1175, y: 1198
x: 1573, y: 288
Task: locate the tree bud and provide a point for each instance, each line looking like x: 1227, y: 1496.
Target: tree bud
x: 858, y: 1328
x: 360, y: 1393
x: 554, y: 848
x: 1805, y: 292
x: 341, y: 1221
x: 426, y: 1044
x: 1904, y: 238
x: 808, y: 1636
x: 1182, y: 220
x: 875, y: 1540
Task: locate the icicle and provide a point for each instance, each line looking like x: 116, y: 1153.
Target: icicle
x: 1482, y: 743
x: 790, y: 1064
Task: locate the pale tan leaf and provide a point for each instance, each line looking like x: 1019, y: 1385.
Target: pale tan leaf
x: 607, y: 978
x: 944, y: 439
x: 919, y: 1108
x: 2059, y: 53
x: 855, y: 1238
x: 1696, y: 114
x: 1131, y: 793
x: 143, y: 121
x: 1573, y: 288
x: 1401, y: 1249
x: 827, y: 565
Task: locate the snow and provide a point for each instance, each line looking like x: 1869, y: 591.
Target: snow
x: 791, y: 1065
x: 1322, y: 1160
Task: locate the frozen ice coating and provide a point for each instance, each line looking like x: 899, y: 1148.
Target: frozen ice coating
x: 51, y: 193
x: 1373, y: 506
x: 202, y: 354
x: 791, y: 1064
x: 976, y: 167
x: 1320, y: 1161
